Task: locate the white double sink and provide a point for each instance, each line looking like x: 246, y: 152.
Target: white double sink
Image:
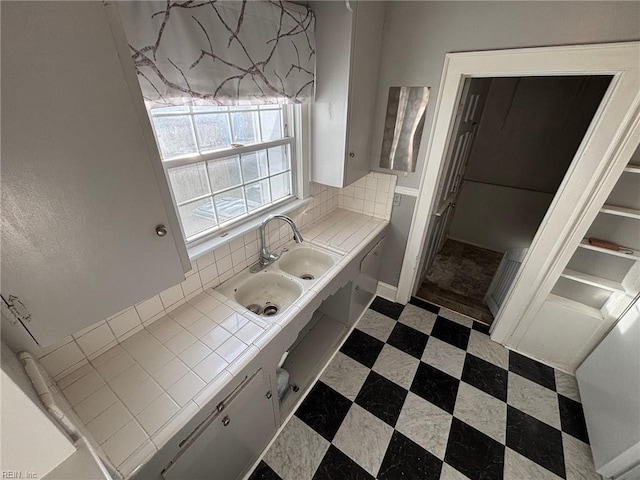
x: 269, y: 292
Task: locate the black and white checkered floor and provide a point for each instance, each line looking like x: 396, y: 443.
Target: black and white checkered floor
x: 423, y: 393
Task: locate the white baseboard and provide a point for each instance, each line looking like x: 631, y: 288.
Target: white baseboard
x: 387, y: 291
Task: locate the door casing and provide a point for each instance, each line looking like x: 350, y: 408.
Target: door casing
x: 604, y: 152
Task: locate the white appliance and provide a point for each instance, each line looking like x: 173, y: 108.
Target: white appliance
x: 609, y: 382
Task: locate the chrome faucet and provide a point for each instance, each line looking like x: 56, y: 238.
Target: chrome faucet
x: 267, y: 257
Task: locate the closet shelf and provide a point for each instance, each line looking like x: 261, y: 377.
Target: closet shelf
x: 577, y: 306
x: 632, y: 169
x: 593, y: 280
x: 620, y: 211
x: 630, y: 256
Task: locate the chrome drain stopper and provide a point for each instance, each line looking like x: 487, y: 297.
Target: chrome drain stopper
x: 270, y: 309
x: 255, y: 308
x: 307, y: 276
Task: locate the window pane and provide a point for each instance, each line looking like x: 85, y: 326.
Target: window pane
x: 245, y: 127
x: 224, y: 173
x: 271, y: 125
x: 175, y: 135
x: 257, y: 194
x: 209, y: 108
x: 278, y: 159
x: 230, y: 204
x: 280, y: 186
x: 197, y: 217
x: 254, y: 165
x: 189, y: 182
x: 213, y: 131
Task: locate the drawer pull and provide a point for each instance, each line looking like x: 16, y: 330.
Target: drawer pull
x: 269, y: 395
x: 226, y: 421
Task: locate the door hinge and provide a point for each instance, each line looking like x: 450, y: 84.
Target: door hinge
x: 18, y: 311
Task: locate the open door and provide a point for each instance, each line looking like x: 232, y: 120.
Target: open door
x: 473, y: 99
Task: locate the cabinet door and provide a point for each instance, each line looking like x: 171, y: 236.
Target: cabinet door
x: 81, y: 200
x: 228, y: 446
x: 367, y: 282
x: 363, y: 87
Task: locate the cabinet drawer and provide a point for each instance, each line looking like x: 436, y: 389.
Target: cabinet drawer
x: 230, y: 439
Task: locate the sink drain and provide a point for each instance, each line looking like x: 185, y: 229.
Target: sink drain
x: 270, y: 309
x: 255, y: 308
x: 307, y: 276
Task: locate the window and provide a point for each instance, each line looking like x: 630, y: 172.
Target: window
x: 224, y: 163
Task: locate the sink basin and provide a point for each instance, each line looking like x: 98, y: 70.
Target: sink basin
x: 306, y: 263
x: 268, y: 293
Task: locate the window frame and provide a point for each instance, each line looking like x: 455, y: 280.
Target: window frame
x: 293, y: 119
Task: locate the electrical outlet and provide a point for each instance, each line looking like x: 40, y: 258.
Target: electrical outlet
x: 396, y: 199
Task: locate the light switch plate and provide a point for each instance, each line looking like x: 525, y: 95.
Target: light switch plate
x: 396, y: 199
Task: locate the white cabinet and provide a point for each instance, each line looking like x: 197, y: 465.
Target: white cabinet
x: 366, y: 283
x: 226, y: 444
x: 82, y: 185
x: 348, y: 48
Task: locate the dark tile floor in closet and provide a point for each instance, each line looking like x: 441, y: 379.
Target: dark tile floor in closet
x: 459, y: 278
x: 423, y: 393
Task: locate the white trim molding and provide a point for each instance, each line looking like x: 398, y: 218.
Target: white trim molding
x: 386, y: 291
x: 412, y: 192
x: 601, y: 158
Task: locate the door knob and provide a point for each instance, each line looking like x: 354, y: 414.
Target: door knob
x: 352, y: 154
x: 161, y: 230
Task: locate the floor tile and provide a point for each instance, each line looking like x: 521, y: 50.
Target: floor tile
x: 567, y: 385
x: 534, y: 371
x: 385, y: 307
x: 264, y: 472
x: 362, y: 347
x: 396, y: 365
x: 481, y: 411
x: 425, y: 424
x: 485, y: 376
x: 450, y: 473
x: 516, y: 466
x: 377, y: 325
x: 444, y: 356
x: 481, y: 327
x: 336, y: 465
x: 535, y: 440
x: 483, y: 347
x: 345, y: 375
x: 418, y: 319
x: 324, y: 410
x: 382, y: 397
x: 456, y: 317
x: 430, y: 307
x: 297, y: 452
x: 436, y: 387
x: 572, y: 418
x: 533, y: 399
x: 578, y: 459
x: 407, y: 459
x: 473, y: 453
x: 408, y: 339
x: 364, y: 438
x: 451, y: 332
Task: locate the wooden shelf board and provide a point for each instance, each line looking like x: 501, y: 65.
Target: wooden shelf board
x: 632, y: 169
x: 593, y: 280
x: 620, y: 211
x: 577, y: 306
x: 629, y: 256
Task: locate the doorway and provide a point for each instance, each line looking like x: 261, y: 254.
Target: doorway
x: 511, y: 145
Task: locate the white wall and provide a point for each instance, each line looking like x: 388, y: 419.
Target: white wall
x: 418, y: 35
x: 498, y: 218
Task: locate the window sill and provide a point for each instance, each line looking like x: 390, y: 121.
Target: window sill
x: 216, y: 241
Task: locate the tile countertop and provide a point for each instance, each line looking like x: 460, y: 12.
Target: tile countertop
x: 138, y: 394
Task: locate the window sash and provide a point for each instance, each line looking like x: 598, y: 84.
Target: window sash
x: 205, y: 156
